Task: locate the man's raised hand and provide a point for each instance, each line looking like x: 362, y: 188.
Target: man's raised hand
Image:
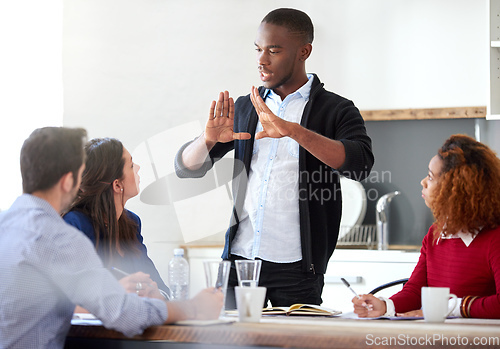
x: 272, y: 125
x: 219, y: 127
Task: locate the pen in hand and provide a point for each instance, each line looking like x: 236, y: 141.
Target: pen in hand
x: 355, y: 293
x: 120, y: 271
x: 163, y: 293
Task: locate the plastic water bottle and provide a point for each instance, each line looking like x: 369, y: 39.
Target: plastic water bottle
x: 178, y: 275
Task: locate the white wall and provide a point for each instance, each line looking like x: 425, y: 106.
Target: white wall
x: 136, y: 68
x: 31, y: 91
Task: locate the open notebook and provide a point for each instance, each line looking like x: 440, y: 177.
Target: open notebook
x: 301, y: 309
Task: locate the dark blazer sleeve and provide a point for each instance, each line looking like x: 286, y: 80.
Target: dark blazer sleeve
x: 217, y: 152
x: 82, y: 223
x: 351, y: 131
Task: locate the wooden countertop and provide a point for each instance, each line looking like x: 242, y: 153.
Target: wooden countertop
x: 295, y: 332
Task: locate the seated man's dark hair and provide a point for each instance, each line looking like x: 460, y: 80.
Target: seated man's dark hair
x: 48, y: 154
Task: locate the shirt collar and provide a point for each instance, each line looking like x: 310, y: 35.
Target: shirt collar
x: 303, y: 91
x: 467, y: 237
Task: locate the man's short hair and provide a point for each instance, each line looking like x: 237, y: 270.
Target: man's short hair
x: 297, y: 22
x: 48, y: 154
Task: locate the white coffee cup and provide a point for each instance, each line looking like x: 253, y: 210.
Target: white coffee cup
x: 435, y: 302
x: 250, y: 301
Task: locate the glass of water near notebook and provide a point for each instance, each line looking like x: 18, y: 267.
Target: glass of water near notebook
x: 248, y: 272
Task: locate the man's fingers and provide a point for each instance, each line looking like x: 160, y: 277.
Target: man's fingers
x: 254, y: 100
x: 225, y: 105
x: 211, y: 114
x: 261, y: 134
x: 242, y: 135
x: 219, y: 106
x: 231, y: 108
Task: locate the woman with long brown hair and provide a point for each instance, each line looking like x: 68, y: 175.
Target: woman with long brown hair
x: 462, y: 248
x: 109, y: 180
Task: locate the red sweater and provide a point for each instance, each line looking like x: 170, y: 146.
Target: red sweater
x: 473, y: 270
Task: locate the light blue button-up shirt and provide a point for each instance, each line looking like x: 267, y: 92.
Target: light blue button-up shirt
x: 270, y: 227
x: 48, y: 266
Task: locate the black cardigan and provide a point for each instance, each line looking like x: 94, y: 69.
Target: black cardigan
x: 320, y: 200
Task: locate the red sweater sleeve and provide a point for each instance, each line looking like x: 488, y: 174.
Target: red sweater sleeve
x: 409, y: 298
x: 488, y: 307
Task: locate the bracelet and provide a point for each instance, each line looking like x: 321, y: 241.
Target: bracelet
x: 469, y: 305
x: 462, y: 306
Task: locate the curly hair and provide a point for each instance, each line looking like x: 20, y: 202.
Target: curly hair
x: 468, y: 196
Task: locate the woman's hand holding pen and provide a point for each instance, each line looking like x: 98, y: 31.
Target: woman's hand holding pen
x: 141, y: 284
x: 367, y: 305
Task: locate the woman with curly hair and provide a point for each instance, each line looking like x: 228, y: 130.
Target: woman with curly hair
x: 462, y: 248
x: 109, y: 180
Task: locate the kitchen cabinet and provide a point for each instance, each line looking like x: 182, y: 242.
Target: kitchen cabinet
x: 195, y: 256
x: 494, y: 98
x: 364, y: 269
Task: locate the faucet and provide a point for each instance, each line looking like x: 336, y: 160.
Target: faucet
x: 382, y: 224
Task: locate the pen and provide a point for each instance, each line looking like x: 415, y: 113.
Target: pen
x: 163, y: 293
x: 355, y: 293
x: 120, y: 271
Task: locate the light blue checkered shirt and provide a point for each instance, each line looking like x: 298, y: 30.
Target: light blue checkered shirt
x: 270, y: 215
x: 46, y: 267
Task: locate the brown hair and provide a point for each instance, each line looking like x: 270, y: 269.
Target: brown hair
x: 96, y: 198
x: 468, y: 196
x: 48, y: 154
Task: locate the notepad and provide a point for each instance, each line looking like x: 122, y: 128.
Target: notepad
x: 301, y: 309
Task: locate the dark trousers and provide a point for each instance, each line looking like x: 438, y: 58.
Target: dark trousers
x: 286, y: 284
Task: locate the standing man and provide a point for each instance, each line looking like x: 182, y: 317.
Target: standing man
x: 47, y: 266
x: 293, y: 139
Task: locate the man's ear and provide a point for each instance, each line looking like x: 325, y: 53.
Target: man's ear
x: 67, y: 182
x: 305, y: 52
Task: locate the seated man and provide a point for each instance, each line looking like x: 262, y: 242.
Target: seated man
x: 47, y: 267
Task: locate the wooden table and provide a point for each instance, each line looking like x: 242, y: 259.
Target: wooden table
x: 294, y: 332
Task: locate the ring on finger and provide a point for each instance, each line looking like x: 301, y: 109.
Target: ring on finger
x: 138, y: 286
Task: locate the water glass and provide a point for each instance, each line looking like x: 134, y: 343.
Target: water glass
x: 248, y: 272
x: 217, y: 275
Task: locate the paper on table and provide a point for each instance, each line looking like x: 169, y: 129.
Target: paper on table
x: 85, y: 319
x: 351, y: 315
x: 84, y: 316
x: 204, y: 322
x: 395, y: 318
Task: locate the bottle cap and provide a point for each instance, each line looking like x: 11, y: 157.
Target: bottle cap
x: 178, y: 252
